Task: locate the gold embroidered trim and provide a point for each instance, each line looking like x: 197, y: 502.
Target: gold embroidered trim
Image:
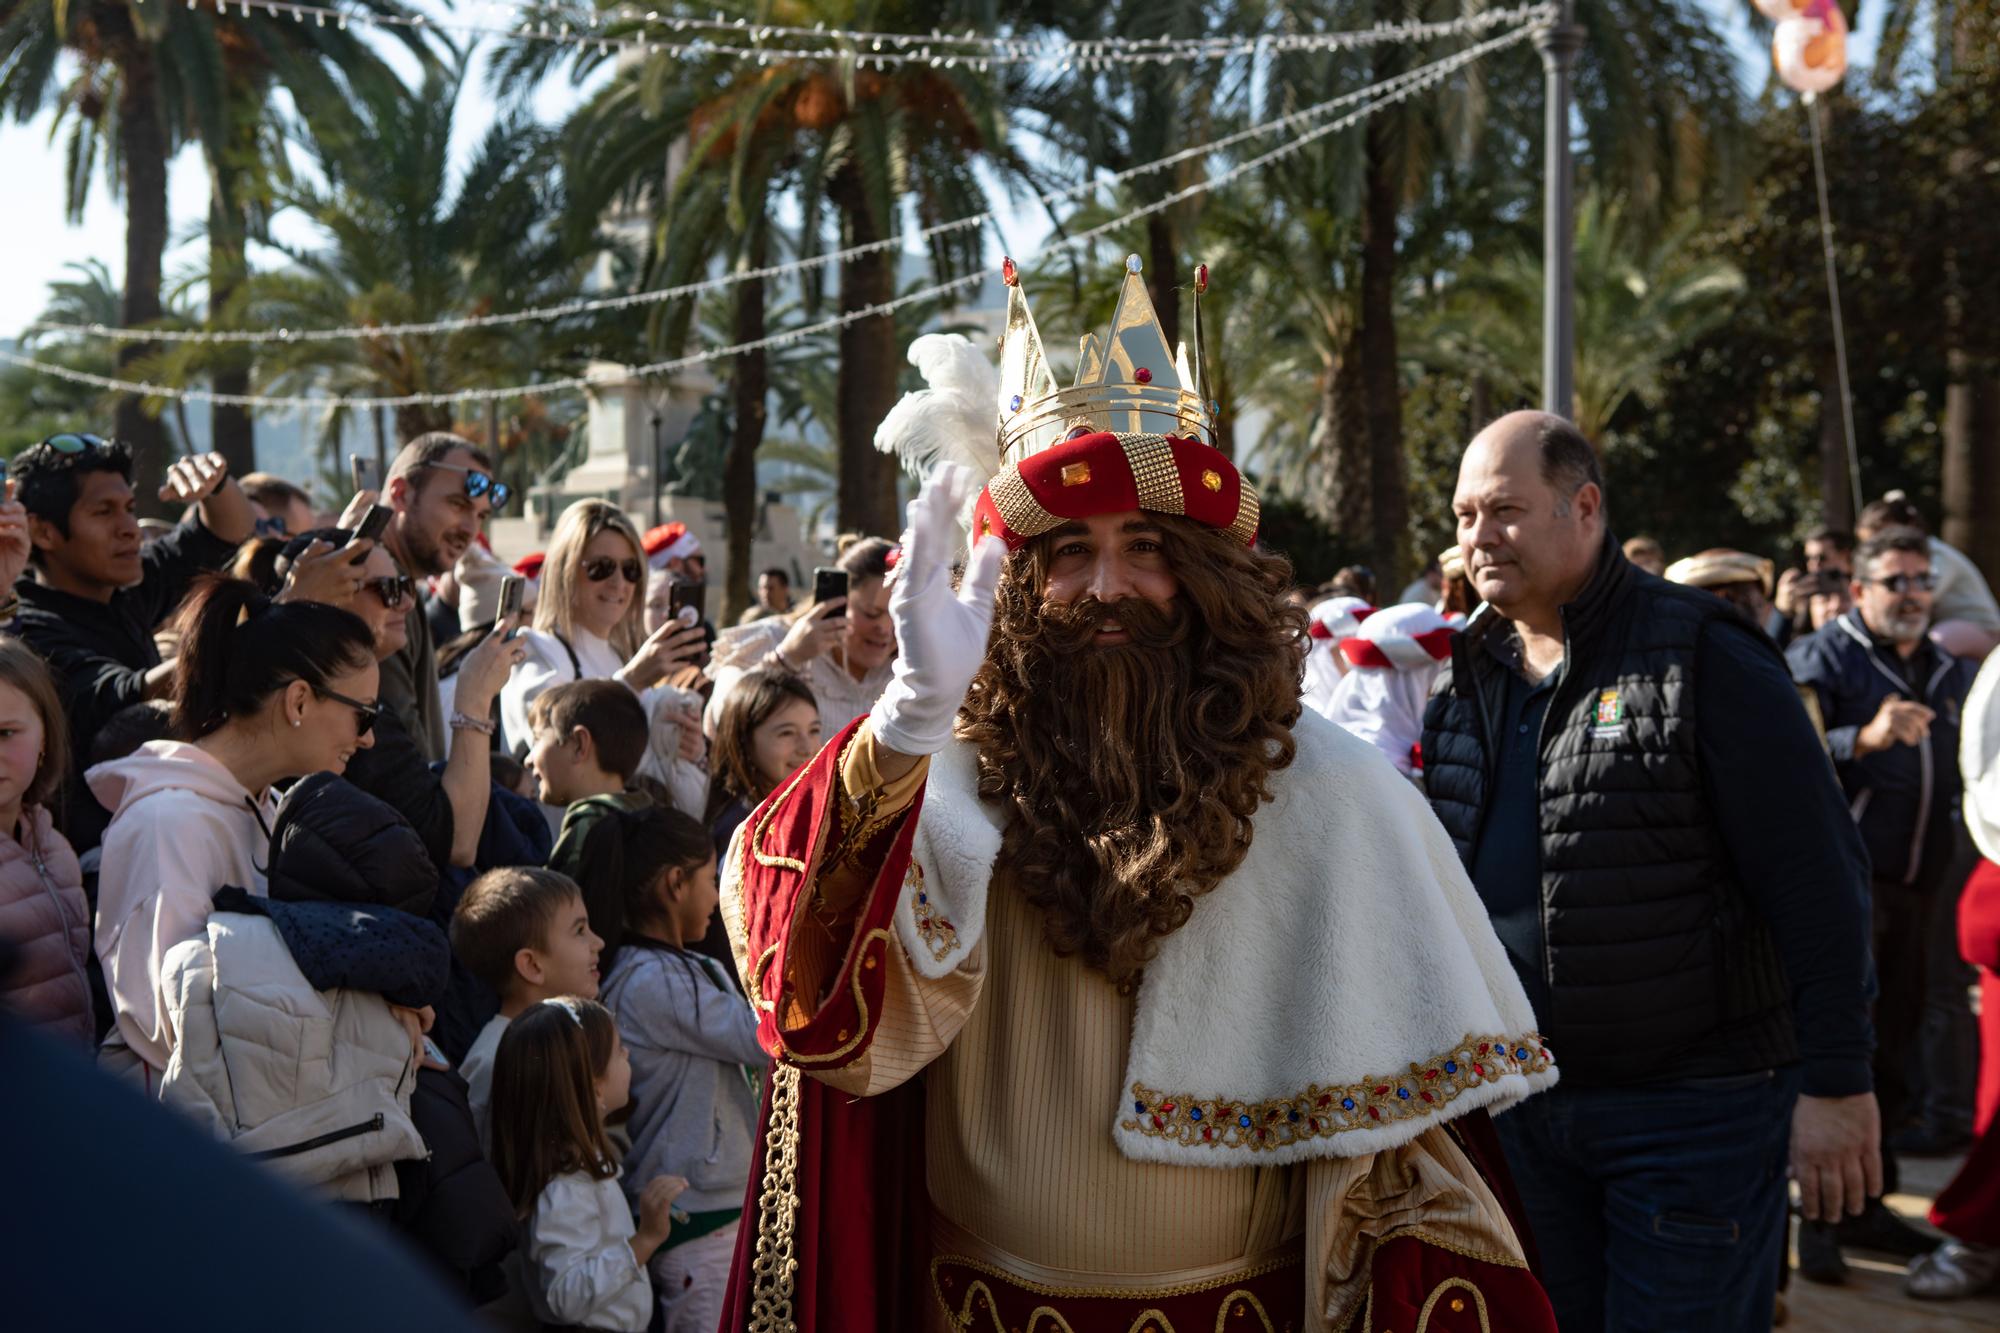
x: 938, y: 934
x: 1018, y: 507
x: 863, y: 1025
x: 757, y: 981
x: 1322, y: 1112
x: 1453, y: 1284
x: 775, y: 1266
x: 1153, y: 473
x: 1248, y: 510
x: 1148, y: 1321
x: 1289, y: 1259
x: 752, y: 843
x: 1436, y: 1241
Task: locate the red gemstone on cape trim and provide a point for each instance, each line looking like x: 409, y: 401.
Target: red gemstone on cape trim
x: 1374, y: 1114
x: 1479, y: 1069
x: 1325, y: 1101
x: 1167, y: 1107
x: 1382, y: 1091
x: 1159, y: 1123
x: 1429, y: 1098
x: 1207, y: 1133
x: 1143, y: 375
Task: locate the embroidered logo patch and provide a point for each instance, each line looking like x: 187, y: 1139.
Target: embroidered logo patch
x: 1610, y: 715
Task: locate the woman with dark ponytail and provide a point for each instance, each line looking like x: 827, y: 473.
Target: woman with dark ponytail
x: 262, y: 692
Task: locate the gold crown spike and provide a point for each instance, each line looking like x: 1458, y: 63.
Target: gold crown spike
x: 1127, y: 382
x: 1024, y: 372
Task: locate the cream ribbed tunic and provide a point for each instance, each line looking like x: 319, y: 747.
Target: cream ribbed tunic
x: 1023, y: 1056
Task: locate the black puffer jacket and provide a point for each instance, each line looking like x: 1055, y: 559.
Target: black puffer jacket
x: 452, y: 1203
x: 350, y: 883
x: 1656, y: 965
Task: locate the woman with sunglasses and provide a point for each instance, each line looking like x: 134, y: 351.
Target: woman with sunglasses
x: 590, y: 625
x: 262, y: 692
x: 447, y: 807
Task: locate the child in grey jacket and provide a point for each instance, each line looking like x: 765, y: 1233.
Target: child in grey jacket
x: 692, y: 1038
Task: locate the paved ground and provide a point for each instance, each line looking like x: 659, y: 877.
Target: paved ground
x: 1872, y: 1301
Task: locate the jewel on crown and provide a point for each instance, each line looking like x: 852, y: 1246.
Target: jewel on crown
x: 1126, y: 382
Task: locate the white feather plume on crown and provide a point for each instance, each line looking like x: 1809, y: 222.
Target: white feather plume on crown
x: 955, y: 420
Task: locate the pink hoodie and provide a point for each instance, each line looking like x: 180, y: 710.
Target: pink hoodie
x: 182, y: 827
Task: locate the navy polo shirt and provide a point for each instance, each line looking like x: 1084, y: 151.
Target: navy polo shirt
x: 1507, y: 868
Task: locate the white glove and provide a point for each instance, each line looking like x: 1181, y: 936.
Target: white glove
x: 940, y: 635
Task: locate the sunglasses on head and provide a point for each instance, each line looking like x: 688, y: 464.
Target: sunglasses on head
x: 601, y: 567
x: 478, y: 485
x: 1902, y: 583
x: 393, y: 589
x: 73, y: 442
x: 364, y: 714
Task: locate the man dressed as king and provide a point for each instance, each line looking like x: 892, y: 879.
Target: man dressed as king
x: 1106, y: 988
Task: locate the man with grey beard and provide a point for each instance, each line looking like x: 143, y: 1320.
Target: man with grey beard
x: 1891, y: 700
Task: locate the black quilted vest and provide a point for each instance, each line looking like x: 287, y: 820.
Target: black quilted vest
x: 1657, y: 967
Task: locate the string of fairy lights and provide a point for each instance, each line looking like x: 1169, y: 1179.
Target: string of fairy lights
x: 1364, y: 102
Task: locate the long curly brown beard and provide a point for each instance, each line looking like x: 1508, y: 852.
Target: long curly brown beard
x: 1132, y: 771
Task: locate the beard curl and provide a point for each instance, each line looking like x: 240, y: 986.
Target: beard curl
x: 1131, y: 771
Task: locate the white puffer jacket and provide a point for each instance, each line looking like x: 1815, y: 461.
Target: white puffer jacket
x: 315, y: 1083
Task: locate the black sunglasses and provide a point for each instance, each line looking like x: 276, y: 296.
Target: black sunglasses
x: 73, y: 442
x: 1902, y: 583
x: 364, y: 714
x: 391, y: 588
x: 480, y: 486
x: 601, y: 567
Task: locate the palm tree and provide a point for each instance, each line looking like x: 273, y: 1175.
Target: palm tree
x: 1640, y: 302
x: 149, y: 78
x: 853, y: 148
x: 407, y: 241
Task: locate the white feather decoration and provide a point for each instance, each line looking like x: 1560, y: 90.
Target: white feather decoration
x: 956, y: 419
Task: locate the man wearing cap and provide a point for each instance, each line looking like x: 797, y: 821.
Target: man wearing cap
x: 1107, y: 986
x: 1625, y: 768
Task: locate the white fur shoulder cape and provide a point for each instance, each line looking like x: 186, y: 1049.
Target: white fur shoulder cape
x: 1337, y: 995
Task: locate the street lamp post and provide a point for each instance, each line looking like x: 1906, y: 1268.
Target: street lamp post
x: 1558, y: 42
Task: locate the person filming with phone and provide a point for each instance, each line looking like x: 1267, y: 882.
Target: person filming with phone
x: 842, y: 643
x: 99, y: 593
x: 589, y: 625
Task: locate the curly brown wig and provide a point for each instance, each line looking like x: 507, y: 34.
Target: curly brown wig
x: 1132, y: 772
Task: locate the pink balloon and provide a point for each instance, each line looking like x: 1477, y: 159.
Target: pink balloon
x: 1810, y: 50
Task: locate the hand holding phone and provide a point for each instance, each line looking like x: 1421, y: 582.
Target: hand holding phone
x: 829, y: 584
x: 512, y: 591
x: 687, y: 603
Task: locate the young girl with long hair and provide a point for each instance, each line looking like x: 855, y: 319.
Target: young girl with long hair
x: 693, y: 1044
x: 262, y: 691
x: 561, y: 1069
x: 42, y: 907
x: 767, y: 730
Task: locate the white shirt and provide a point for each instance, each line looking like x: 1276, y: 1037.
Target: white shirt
x: 477, y: 1071
x: 578, y: 1258
x: 548, y: 664
x: 840, y: 696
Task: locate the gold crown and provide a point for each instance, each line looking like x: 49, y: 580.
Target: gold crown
x: 1128, y: 383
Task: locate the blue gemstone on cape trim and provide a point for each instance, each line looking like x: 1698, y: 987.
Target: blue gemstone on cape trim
x: 1194, y: 1113
x: 1140, y: 1107
x: 1451, y: 1066
x: 1243, y: 1120
x: 1347, y: 1103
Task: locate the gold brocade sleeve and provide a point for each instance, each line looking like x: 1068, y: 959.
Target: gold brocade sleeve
x: 1427, y: 1189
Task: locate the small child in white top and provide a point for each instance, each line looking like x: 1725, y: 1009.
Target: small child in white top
x: 561, y: 1069
x: 523, y: 931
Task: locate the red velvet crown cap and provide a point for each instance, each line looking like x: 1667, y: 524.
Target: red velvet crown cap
x: 1104, y: 473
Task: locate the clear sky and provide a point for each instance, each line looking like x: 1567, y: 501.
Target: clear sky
x: 42, y: 242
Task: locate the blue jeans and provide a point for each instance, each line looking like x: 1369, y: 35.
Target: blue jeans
x: 1659, y: 1207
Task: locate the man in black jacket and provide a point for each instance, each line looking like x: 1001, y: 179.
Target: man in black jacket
x: 1891, y: 701
x: 101, y: 593
x: 1629, y: 776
